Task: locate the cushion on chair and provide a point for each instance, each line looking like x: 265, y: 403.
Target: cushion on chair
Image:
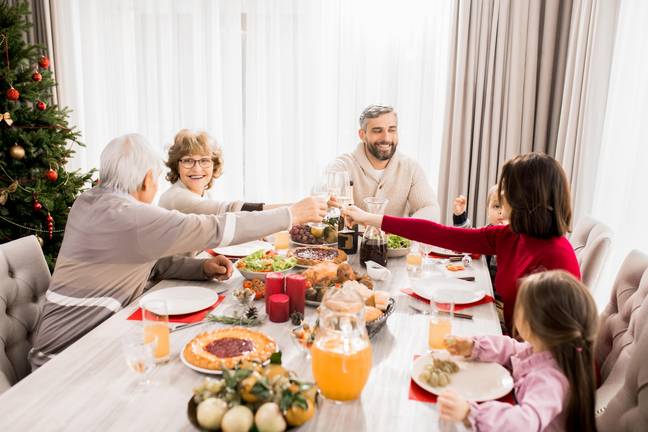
x: 24, y: 278
x: 591, y: 241
x: 628, y: 408
x: 620, y: 323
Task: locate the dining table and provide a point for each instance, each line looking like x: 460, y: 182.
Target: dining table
x: 89, y: 387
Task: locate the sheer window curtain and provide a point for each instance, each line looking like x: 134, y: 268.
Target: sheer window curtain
x: 622, y: 174
x: 280, y: 84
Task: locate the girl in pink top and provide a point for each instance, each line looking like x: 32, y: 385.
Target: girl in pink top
x: 553, y: 370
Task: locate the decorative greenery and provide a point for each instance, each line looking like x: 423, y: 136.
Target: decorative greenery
x: 43, y: 135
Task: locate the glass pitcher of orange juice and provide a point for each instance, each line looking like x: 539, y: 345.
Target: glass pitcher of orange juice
x: 341, y: 353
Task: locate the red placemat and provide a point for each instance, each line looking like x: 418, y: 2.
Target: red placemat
x: 189, y: 318
x: 446, y: 307
x: 418, y: 393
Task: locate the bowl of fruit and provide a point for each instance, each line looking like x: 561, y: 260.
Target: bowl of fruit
x: 252, y: 396
x: 307, y: 235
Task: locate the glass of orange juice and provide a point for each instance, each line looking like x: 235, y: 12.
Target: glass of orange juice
x: 155, y: 319
x: 414, y: 259
x: 440, y: 324
x: 281, y: 241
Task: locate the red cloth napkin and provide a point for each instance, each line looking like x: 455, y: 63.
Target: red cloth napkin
x: 418, y: 393
x: 445, y: 306
x: 189, y: 318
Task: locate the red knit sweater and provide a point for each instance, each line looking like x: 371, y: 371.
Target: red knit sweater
x: 518, y: 255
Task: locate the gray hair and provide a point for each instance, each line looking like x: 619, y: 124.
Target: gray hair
x: 373, y: 111
x: 125, y: 161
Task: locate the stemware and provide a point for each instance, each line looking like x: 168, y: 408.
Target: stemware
x: 140, y: 357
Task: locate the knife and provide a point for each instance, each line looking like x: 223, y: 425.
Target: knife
x: 456, y: 314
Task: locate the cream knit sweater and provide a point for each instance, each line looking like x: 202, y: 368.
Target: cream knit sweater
x: 403, y: 183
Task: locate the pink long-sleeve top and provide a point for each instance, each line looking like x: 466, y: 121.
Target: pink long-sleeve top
x: 518, y: 255
x: 540, y: 388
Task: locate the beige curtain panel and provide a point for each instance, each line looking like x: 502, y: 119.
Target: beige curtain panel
x: 514, y: 67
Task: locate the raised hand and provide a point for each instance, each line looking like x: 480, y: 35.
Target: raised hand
x: 309, y: 209
x: 354, y: 215
x: 459, y: 205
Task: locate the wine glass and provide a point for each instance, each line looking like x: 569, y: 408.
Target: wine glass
x: 140, y: 357
x: 320, y: 192
x: 338, y: 185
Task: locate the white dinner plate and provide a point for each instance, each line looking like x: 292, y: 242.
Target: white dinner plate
x: 198, y: 369
x: 476, y: 381
x: 243, y: 249
x: 447, y: 290
x: 182, y: 299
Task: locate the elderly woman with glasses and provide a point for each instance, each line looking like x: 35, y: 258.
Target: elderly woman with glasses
x: 194, y: 162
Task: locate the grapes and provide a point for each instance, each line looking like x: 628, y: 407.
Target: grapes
x: 303, y: 234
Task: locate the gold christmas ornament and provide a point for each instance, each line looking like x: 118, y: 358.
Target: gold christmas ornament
x: 40, y: 240
x: 4, y: 192
x: 17, y: 152
x: 6, y: 117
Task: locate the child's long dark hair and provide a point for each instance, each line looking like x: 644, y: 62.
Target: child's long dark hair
x: 560, y: 312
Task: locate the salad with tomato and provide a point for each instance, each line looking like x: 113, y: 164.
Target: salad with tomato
x: 266, y: 261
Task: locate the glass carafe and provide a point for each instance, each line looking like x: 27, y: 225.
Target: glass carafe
x: 374, y: 240
x: 341, y: 353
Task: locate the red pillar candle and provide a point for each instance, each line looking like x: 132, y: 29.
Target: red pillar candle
x: 279, y: 305
x: 274, y: 283
x: 296, y: 291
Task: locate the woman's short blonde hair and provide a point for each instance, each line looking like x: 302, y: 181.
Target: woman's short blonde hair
x: 186, y: 143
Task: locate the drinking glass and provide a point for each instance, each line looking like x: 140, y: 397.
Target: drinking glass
x: 320, y: 193
x: 155, y: 319
x: 140, y: 358
x: 414, y: 259
x: 338, y: 185
x: 439, y: 324
x: 281, y: 241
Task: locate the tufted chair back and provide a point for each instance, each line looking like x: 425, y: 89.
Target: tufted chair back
x: 591, y: 241
x: 622, y: 322
x: 24, y: 278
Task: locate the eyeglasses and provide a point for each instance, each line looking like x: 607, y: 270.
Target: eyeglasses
x: 189, y: 163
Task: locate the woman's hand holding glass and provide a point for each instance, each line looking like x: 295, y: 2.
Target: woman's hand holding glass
x: 354, y: 215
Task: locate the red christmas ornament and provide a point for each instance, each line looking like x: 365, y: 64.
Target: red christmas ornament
x: 50, y: 225
x: 51, y: 175
x: 43, y: 62
x: 36, y: 76
x: 12, y: 94
x: 37, y: 206
x: 41, y: 105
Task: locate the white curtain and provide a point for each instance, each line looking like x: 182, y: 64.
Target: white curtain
x: 622, y: 174
x: 280, y: 84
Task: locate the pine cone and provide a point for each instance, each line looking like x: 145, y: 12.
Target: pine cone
x: 252, y: 313
x: 296, y: 318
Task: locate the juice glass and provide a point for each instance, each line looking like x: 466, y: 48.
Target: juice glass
x: 155, y: 321
x: 414, y: 259
x: 439, y: 325
x: 281, y: 240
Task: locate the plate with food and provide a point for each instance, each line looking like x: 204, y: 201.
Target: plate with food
x: 474, y: 381
x: 261, y: 262
x: 321, y: 277
x: 443, y: 289
x: 397, y: 246
x: 308, y: 256
x: 314, y: 235
x: 212, y: 351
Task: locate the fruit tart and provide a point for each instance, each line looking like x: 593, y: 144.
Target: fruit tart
x: 313, y: 255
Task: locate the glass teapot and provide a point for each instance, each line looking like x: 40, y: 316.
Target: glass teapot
x: 341, y: 353
x: 374, y: 240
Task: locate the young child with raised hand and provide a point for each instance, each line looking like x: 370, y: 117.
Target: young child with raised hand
x: 535, y: 197
x: 494, y: 210
x: 553, y: 370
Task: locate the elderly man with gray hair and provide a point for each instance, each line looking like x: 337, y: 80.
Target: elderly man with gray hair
x: 378, y: 170
x: 115, y: 241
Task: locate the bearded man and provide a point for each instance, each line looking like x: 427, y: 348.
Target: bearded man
x: 377, y: 169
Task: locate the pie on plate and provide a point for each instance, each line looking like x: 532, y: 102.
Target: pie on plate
x: 313, y: 255
x: 227, y: 347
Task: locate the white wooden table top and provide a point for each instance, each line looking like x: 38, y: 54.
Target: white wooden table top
x: 89, y: 386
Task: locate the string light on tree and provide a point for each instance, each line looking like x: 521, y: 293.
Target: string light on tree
x: 17, y: 152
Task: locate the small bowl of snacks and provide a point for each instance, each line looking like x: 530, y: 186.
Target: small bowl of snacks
x: 261, y: 262
x: 397, y: 246
x: 245, y: 296
x: 304, y: 336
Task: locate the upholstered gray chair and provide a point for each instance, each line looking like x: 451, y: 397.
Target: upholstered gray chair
x: 24, y: 278
x: 591, y: 241
x: 622, y: 350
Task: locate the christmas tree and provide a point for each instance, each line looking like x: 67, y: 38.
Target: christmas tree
x: 36, y: 191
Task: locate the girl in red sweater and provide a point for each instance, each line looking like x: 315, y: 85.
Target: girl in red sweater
x: 535, y: 196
